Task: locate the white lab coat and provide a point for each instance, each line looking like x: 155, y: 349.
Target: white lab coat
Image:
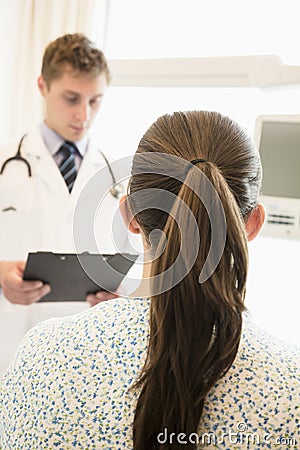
x: 43, y: 220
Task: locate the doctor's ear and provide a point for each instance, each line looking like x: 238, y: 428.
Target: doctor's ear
x: 42, y: 85
x: 127, y: 216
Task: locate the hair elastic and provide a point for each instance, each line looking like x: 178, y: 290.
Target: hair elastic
x: 194, y: 162
x: 199, y: 160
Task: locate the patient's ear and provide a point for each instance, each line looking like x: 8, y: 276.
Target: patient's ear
x: 127, y: 216
x: 255, y: 221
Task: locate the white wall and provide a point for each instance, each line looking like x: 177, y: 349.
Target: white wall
x: 273, y: 289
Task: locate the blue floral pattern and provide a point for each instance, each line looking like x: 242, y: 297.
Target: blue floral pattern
x: 69, y: 386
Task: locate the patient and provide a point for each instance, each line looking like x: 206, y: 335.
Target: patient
x: 186, y: 367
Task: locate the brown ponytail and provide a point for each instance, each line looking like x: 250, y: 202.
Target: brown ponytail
x: 195, y: 328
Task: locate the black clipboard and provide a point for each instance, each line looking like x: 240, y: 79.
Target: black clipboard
x: 73, y: 276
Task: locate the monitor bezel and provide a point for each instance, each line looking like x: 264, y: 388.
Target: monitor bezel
x: 274, y: 204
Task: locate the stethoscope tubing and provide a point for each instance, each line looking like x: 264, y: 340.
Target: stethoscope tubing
x: 115, y: 190
x: 17, y: 157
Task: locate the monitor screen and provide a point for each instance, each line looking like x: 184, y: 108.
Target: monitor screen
x: 279, y: 148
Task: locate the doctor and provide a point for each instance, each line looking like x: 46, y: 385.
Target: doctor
x: 38, y: 197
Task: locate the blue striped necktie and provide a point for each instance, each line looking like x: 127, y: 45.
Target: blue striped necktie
x: 67, y: 166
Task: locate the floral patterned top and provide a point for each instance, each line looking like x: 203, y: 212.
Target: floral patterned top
x: 69, y: 387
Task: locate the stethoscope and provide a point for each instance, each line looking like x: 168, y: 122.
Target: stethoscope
x: 17, y: 157
x: 116, y: 190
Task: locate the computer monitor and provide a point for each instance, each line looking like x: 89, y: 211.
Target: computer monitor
x: 278, y: 139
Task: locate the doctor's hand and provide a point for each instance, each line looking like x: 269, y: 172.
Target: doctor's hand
x: 15, y: 289
x: 99, y: 297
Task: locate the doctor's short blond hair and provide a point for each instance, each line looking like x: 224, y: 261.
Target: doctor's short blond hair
x: 74, y: 50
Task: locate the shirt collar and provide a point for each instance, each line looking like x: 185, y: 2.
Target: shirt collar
x: 53, y: 140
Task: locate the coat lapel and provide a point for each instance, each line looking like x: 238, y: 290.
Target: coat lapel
x: 43, y: 165
x: 45, y: 168
x: 91, y: 163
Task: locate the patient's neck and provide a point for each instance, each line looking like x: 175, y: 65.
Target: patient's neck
x: 143, y: 290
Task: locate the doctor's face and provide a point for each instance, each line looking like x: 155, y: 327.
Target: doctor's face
x: 72, y: 102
